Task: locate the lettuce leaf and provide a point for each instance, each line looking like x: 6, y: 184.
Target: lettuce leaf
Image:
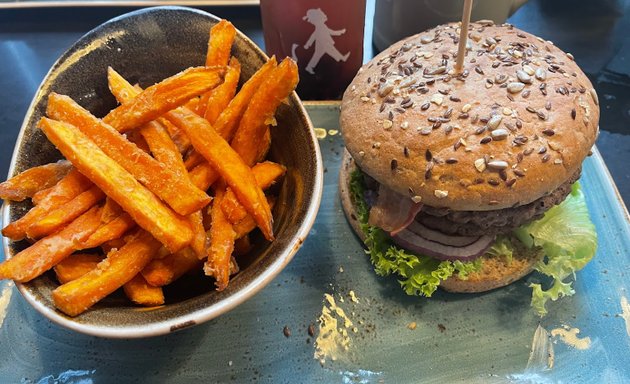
x: 419, y: 275
x: 569, y: 240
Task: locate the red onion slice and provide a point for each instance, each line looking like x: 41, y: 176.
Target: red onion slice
x: 441, y: 246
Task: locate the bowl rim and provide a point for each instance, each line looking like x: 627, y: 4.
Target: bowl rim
x: 203, y: 314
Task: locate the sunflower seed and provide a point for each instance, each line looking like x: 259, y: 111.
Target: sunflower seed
x: 523, y: 77
x: 540, y: 74
x: 499, y: 134
x: 515, y: 87
x: 498, y: 165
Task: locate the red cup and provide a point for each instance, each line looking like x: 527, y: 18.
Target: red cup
x: 325, y: 38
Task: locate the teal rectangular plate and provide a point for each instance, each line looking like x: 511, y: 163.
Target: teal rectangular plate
x: 478, y: 338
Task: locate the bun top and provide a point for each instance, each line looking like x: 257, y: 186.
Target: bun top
x: 512, y: 127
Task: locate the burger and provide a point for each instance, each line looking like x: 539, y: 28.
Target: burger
x: 468, y: 180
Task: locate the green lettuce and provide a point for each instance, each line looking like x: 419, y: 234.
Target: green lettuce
x: 569, y: 240
x: 565, y: 233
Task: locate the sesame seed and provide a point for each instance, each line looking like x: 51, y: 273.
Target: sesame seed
x: 540, y: 74
x: 406, y: 151
x: 376, y: 145
x: 546, y: 158
x: 510, y: 183
x: 541, y: 115
x: 507, y: 111
x: 428, y: 155
x: 466, y: 108
x: 548, y: 105
x: 528, y: 151
x: 361, y: 153
x: 451, y: 161
x: 542, y: 150
x: 530, y: 109
x: 573, y: 113
x: 454, y: 99
x: 549, y: 132
x: 394, y: 164
x: 525, y: 93
x: 425, y: 106
x: 557, y: 161
x: 416, y: 199
x: 493, y: 182
x: 485, y: 140
x: 425, y: 131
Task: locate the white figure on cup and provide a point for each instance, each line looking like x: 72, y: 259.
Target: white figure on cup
x: 322, y: 37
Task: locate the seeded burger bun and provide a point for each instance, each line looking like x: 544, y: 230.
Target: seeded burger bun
x: 484, y: 151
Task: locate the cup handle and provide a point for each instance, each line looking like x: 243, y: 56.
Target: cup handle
x: 516, y: 4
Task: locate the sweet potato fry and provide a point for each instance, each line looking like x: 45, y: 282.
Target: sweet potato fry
x: 119, y: 267
x: 33, y: 180
x: 220, y: 43
x: 47, y: 252
x: 266, y: 174
x: 164, y: 96
x: 143, y: 206
x: 203, y: 175
x: 199, y: 241
x: 75, y: 266
x: 108, y: 231
x: 219, y: 98
x: 228, y: 120
x: 110, y: 211
x: 253, y: 125
x: 248, y: 224
x: 228, y: 164
x: 193, y: 160
x: 222, y: 238
x: 161, y: 272
x: 59, y: 217
x: 65, y: 190
x: 176, y: 190
x: 140, y: 292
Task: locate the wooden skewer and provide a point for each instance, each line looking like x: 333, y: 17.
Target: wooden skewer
x: 463, y: 37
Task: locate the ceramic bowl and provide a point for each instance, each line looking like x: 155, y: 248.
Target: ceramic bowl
x: 146, y: 46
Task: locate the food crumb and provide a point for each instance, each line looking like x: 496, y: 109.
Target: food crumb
x: 311, y: 330
x: 441, y: 327
x: 340, y: 269
x: 412, y: 325
x: 230, y: 363
x: 286, y: 331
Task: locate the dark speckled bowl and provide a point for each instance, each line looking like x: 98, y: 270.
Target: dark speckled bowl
x: 146, y: 46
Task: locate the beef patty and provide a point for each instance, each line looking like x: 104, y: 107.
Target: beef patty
x: 477, y: 223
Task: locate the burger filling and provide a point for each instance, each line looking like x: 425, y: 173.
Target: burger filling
x: 564, y: 232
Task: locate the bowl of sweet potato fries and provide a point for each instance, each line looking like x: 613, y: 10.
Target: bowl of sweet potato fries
x: 165, y: 172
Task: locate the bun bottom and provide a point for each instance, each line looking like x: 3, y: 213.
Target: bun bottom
x: 496, y: 272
